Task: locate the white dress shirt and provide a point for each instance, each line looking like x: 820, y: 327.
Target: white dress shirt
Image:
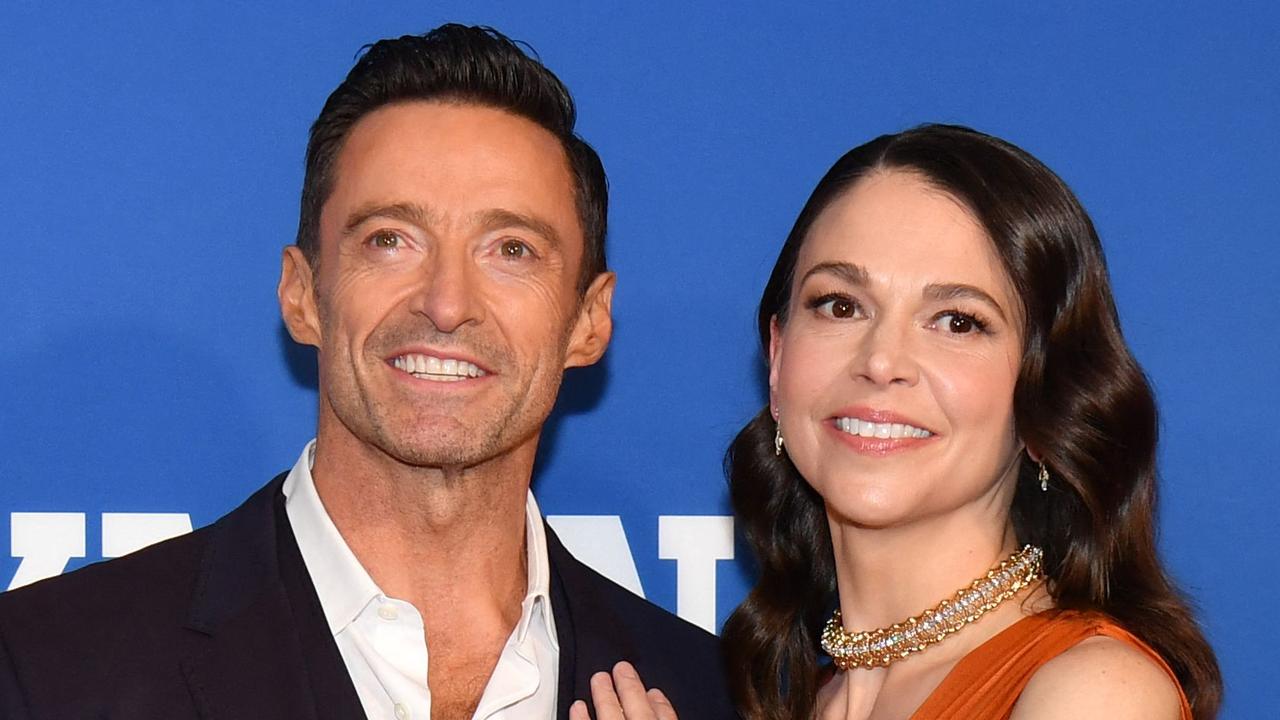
x: 381, y: 638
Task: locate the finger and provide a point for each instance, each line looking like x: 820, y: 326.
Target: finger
x: 630, y: 690
x: 578, y: 711
x: 605, y: 700
x: 661, y: 705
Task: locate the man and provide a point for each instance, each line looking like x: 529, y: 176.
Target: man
x: 449, y: 266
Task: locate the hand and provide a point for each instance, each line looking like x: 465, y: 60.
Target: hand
x: 622, y: 697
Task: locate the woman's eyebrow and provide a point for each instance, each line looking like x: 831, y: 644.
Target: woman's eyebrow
x: 959, y: 291
x: 847, y: 271
x: 857, y: 275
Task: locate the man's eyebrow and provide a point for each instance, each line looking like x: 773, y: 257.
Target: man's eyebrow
x: 499, y: 218
x: 411, y: 213
x: 849, y: 272
x: 960, y: 291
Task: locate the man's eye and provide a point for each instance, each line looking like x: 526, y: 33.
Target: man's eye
x: 513, y: 249
x: 385, y: 241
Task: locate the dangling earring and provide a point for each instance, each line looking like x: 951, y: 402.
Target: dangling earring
x: 1044, y: 478
x: 777, y: 434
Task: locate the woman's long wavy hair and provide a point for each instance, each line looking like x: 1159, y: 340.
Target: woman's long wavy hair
x: 1081, y: 401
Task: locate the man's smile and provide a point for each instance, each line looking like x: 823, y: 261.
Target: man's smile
x: 436, y: 368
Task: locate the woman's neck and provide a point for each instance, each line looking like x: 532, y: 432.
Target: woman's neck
x: 886, y: 575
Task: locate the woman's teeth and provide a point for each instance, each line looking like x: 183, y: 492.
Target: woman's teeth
x: 863, y: 428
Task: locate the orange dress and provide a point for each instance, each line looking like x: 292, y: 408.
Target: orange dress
x: 986, y: 683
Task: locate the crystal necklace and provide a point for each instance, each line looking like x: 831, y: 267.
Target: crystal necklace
x: 884, y: 646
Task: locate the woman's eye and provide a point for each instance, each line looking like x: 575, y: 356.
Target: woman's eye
x: 513, y: 249
x: 841, y: 308
x: 959, y: 323
x: 836, y: 307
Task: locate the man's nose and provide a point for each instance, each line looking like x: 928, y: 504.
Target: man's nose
x: 884, y: 355
x: 447, y: 294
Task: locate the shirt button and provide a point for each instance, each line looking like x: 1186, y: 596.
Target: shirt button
x: 389, y: 612
x: 402, y: 712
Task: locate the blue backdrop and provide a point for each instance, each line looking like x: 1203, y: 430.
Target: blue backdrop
x: 150, y: 165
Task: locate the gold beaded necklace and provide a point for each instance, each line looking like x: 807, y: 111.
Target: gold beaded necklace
x: 884, y: 646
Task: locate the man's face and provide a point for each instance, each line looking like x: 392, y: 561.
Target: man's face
x: 445, y: 303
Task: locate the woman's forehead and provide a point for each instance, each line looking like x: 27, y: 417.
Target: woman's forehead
x: 895, y: 225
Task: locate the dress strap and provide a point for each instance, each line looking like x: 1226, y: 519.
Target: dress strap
x: 986, y: 683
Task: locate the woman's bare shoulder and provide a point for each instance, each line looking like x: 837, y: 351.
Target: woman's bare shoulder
x: 1100, y: 677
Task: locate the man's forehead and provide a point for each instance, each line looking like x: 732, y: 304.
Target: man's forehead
x: 446, y: 127
x: 433, y: 159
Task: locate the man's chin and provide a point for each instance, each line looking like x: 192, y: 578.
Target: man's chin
x: 429, y: 457
x: 445, y: 453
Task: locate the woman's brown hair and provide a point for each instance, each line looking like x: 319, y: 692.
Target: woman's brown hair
x: 1081, y: 402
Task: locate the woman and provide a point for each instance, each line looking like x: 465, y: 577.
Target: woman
x: 945, y: 289
x: 959, y: 451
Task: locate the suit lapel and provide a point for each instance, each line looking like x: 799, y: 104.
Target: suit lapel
x: 333, y: 694
x: 266, y: 651
x: 250, y: 668
x: 591, y: 635
x: 568, y: 686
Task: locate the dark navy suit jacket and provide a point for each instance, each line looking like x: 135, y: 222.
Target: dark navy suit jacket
x: 224, y: 624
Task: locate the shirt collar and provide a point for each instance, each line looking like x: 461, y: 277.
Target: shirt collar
x: 344, y: 586
x: 537, y: 598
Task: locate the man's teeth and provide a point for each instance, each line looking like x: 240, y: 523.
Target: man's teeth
x: 866, y: 429
x: 429, y: 367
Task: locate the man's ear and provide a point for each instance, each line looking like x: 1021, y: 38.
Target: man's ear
x: 775, y: 360
x: 594, y: 326
x: 298, y: 298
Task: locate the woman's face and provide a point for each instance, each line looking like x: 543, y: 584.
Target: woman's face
x: 894, y: 373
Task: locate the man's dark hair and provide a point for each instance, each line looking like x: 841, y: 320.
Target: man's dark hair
x: 455, y: 63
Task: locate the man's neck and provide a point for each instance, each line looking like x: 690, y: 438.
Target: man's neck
x: 442, y: 539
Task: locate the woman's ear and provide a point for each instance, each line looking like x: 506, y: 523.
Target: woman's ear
x: 775, y: 362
